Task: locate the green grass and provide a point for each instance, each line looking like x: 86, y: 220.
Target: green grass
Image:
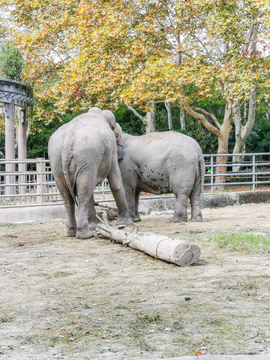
x: 243, y: 242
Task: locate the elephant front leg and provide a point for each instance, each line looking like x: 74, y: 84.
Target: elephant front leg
x: 130, y: 197
x: 118, y: 192
x: 180, y: 211
x: 137, y: 217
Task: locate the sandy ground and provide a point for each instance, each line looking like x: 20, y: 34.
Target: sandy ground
x: 93, y: 299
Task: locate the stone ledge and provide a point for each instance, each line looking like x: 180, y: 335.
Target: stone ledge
x: 15, y: 215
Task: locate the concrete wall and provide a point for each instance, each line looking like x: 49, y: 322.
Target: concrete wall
x: 13, y: 215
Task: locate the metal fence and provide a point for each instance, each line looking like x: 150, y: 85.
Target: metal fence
x: 30, y: 182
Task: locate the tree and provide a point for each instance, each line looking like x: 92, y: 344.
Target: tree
x: 11, y: 62
x: 149, y: 119
x: 217, y: 56
x: 83, y: 53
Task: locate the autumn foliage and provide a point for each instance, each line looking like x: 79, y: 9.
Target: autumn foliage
x: 82, y: 53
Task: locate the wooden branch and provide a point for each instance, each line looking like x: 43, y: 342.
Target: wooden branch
x: 246, y: 97
x: 136, y: 113
x: 134, y: 7
x: 222, y: 89
x: 199, y: 117
x: 159, y: 246
x: 212, y: 116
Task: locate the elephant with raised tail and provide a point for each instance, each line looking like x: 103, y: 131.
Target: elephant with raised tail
x: 160, y: 163
x: 82, y: 154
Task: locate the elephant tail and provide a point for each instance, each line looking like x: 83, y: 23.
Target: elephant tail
x: 67, y: 152
x: 202, y: 171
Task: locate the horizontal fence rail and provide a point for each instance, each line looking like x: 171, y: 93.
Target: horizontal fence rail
x: 30, y: 182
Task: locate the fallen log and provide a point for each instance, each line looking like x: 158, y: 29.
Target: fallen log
x: 159, y: 246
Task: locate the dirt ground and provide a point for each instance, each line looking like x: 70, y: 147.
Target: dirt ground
x: 93, y: 299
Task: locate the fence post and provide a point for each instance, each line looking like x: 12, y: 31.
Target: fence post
x: 41, y: 179
x: 212, y: 174
x: 253, y: 173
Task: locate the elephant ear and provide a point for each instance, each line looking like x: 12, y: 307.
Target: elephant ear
x: 109, y: 117
x: 95, y: 110
x: 117, y: 132
x: 120, y: 152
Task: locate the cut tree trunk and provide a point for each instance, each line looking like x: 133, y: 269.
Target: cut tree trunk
x: 159, y: 246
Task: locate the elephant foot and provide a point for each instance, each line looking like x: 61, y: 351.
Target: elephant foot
x: 177, y: 219
x: 136, y: 218
x: 196, y: 219
x: 84, y: 234
x: 71, y: 233
x: 124, y: 221
x: 92, y: 226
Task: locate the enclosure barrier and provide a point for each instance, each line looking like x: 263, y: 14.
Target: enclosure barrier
x: 31, y: 183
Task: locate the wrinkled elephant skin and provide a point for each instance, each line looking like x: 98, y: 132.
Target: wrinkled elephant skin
x: 160, y: 163
x: 82, y: 154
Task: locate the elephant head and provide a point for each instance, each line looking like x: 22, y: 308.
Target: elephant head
x: 109, y: 117
x: 95, y: 110
x: 116, y: 128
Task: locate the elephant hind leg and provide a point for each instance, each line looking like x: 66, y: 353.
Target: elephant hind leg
x: 85, y: 186
x: 69, y: 205
x: 116, y: 185
x: 195, y: 202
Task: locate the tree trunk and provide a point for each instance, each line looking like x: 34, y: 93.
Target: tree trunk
x: 150, y: 120
x: 242, y: 132
x: 222, y: 131
x: 182, y: 116
x: 169, y: 111
x: 223, y: 140
x: 159, y: 246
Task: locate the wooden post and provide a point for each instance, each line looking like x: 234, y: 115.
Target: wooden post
x: 41, y: 180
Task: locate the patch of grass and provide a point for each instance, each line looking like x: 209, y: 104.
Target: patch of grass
x: 5, y: 319
x: 243, y: 242
x: 149, y: 318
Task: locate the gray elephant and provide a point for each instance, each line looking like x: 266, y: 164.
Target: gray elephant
x: 82, y: 154
x: 160, y: 163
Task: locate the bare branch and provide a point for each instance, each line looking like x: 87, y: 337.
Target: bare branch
x: 136, y: 113
x: 198, y: 116
x: 212, y: 116
x: 135, y: 9
x: 246, y: 97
